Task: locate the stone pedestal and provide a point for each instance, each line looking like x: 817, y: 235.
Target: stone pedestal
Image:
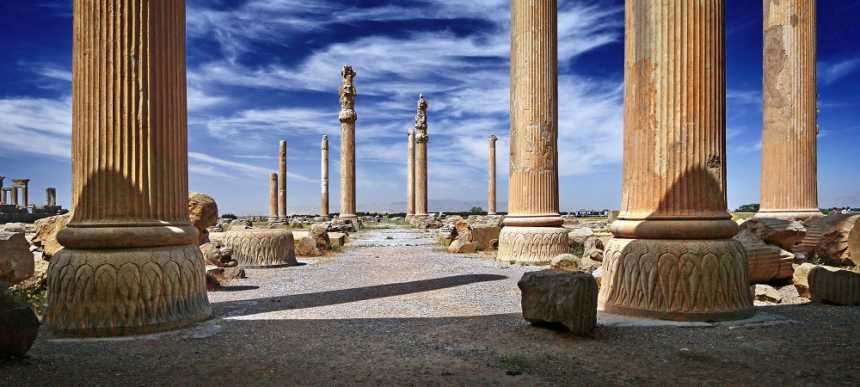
x: 410, y: 174
x: 532, y: 232
x: 789, y: 177
x: 282, y: 181
x: 273, y: 197
x: 347, y: 119
x: 672, y: 256
x: 324, y: 177
x: 491, y: 175
x: 131, y: 264
x: 421, y: 140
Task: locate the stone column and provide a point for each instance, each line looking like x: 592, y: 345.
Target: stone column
x: 5, y: 196
x: 421, y: 140
x: 672, y: 256
x: 532, y: 232
x: 410, y: 174
x: 15, y: 201
x: 282, y: 181
x: 131, y: 264
x: 347, y: 118
x: 2, y: 192
x: 24, y: 184
x: 273, y: 197
x: 324, y: 177
x: 491, y: 175
x: 789, y: 177
x: 51, y: 197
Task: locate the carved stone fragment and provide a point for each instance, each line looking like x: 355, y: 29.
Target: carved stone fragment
x: 259, y: 248
x: 560, y: 298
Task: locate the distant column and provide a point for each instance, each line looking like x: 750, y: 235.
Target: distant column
x: 789, y: 178
x: 273, y: 197
x: 491, y: 175
x: 24, y: 184
x: 5, y: 196
x: 324, y: 177
x: 672, y: 256
x: 131, y: 263
x: 51, y: 197
x: 2, y: 192
x: 410, y: 173
x: 282, y: 181
x: 347, y: 118
x: 532, y: 231
x: 421, y: 140
x: 15, y: 196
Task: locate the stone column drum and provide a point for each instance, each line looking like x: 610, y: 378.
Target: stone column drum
x: 410, y: 174
x: 347, y: 119
x: 51, y: 197
x: 324, y: 177
x: 491, y: 175
x: 421, y: 140
x: 789, y: 176
x: 672, y: 256
x: 273, y: 197
x: 282, y: 180
x: 532, y: 232
x: 131, y: 264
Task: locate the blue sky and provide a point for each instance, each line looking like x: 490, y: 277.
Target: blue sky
x: 263, y: 70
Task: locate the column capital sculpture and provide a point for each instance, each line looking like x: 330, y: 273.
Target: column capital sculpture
x: 347, y: 95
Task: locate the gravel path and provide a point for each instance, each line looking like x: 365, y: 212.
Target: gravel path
x: 385, y: 313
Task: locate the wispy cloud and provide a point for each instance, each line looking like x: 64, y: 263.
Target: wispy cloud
x: 832, y: 72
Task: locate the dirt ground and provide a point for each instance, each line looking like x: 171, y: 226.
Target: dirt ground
x: 384, y: 313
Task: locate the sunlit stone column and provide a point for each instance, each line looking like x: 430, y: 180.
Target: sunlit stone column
x: 789, y: 177
x: 347, y: 118
x: 532, y: 232
x: 24, y: 184
x: 282, y: 180
x: 491, y: 175
x: 51, y: 197
x: 2, y: 192
x: 324, y: 177
x: 14, y: 192
x: 421, y: 140
x: 273, y: 197
x: 672, y: 256
x: 131, y: 263
x: 410, y: 174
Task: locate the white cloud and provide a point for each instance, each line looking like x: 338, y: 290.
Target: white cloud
x: 832, y: 72
x: 38, y: 126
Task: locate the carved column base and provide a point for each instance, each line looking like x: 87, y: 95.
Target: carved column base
x: 799, y: 214
x: 126, y: 291
x: 259, y: 248
x: 681, y: 280
x: 531, y: 245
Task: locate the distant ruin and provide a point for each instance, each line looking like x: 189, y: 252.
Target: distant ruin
x: 15, y: 206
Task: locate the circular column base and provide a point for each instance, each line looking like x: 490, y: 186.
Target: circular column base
x: 121, y: 292
x: 532, y: 245
x: 260, y: 248
x: 800, y: 214
x: 679, y: 280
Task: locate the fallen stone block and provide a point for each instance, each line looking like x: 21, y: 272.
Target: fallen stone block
x: 565, y: 262
x: 555, y: 298
x: 834, y: 286
x: 460, y: 246
x: 218, y: 278
x: 780, y: 232
x: 16, y: 260
x: 19, y: 325
x: 307, y: 247
x: 46, y: 234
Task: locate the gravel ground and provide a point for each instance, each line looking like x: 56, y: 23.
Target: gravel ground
x: 382, y: 313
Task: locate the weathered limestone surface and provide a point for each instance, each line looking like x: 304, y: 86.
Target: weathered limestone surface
x: 672, y: 256
x: 259, y: 248
x: 829, y: 237
x: 532, y: 232
x: 203, y: 213
x: 324, y: 177
x: 766, y: 262
x: 491, y: 175
x: 410, y: 174
x: 556, y: 297
x: 16, y: 261
x: 780, y: 232
x: 347, y: 119
x: 789, y: 156
x: 282, y: 180
x: 273, y: 197
x: 834, y: 286
x: 46, y: 234
x: 421, y: 140
x: 131, y: 264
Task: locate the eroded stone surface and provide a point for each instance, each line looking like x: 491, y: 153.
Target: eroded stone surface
x: 203, y: 213
x: 557, y: 297
x: 19, y: 325
x: 46, y: 234
x: 16, y: 261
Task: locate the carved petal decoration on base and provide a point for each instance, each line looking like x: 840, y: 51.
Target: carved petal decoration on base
x: 531, y: 245
x: 126, y: 291
x: 682, y: 280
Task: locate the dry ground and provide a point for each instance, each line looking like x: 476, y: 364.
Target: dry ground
x: 382, y: 313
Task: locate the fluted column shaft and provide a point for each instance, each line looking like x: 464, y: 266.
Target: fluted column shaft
x: 282, y: 180
x: 421, y: 177
x: 324, y: 211
x: 273, y: 196
x: 131, y: 263
x: 532, y: 233
x: 347, y: 117
x: 672, y: 256
x: 410, y: 173
x: 789, y: 178
x: 491, y: 176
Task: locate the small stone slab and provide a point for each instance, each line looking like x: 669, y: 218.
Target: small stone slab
x: 834, y: 286
x: 555, y: 298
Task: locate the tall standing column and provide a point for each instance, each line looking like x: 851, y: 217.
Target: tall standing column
x: 324, y: 177
x: 491, y: 175
x: 410, y: 174
x: 131, y: 263
x: 532, y: 232
x: 347, y: 118
x: 14, y: 191
x: 789, y: 176
x: 24, y: 184
x: 672, y: 256
x: 282, y: 181
x: 2, y: 192
x: 273, y: 197
x: 5, y: 196
x: 51, y: 197
x: 421, y: 140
